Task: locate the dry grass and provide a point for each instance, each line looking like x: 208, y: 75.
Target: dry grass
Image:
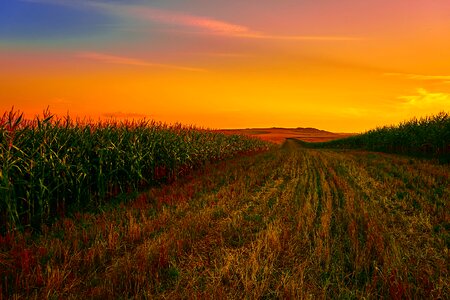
x: 291, y: 223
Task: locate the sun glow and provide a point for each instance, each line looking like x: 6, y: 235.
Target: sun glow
x: 304, y: 65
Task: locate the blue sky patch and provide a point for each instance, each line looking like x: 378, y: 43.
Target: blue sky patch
x: 20, y: 20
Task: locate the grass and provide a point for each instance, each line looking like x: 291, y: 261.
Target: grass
x: 291, y: 222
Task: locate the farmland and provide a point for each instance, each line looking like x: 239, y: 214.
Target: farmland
x: 290, y: 222
x: 279, y: 135
x: 50, y: 165
x: 425, y: 137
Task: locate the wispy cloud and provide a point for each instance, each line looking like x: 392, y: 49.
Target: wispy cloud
x: 445, y: 78
x: 221, y: 54
x: 121, y: 60
x: 263, y: 36
x: 209, y: 25
x: 189, y: 22
x: 184, y: 19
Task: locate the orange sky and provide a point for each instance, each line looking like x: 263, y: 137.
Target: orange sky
x: 343, y: 66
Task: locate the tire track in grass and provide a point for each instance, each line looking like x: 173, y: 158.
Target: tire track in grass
x: 255, y: 267
x: 262, y: 268
x: 362, y: 236
x: 325, y: 246
x: 247, y: 222
x: 193, y: 230
x: 314, y: 223
x: 391, y: 235
x: 294, y: 247
x: 349, y: 265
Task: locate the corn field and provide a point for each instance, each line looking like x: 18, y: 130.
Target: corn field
x: 50, y: 164
x: 289, y: 223
x: 425, y: 137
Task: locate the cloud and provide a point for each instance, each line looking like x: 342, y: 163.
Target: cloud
x: 426, y: 100
x: 185, y: 20
x: 121, y: 60
x: 444, y: 78
x: 428, y: 77
x: 221, y: 54
x: 124, y: 115
x: 209, y: 25
x: 262, y: 36
x: 155, y: 15
x: 203, y: 24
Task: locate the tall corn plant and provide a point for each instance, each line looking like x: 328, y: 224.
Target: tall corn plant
x: 426, y: 137
x: 49, y: 164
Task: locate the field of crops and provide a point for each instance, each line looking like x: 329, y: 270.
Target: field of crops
x: 50, y: 164
x: 291, y: 222
x: 425, y: 137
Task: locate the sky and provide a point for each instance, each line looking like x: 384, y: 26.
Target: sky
x: 342, y: 66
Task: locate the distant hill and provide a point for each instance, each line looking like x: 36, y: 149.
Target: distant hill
x: 313, y: 130
x: 279, y: 135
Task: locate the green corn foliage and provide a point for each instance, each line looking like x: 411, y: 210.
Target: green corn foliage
x: 50, y: 164
x: 425, y: 137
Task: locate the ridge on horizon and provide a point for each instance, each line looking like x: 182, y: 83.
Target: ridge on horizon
x: 279, y: 135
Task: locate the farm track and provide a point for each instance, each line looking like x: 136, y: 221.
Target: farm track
x: 289, y: 223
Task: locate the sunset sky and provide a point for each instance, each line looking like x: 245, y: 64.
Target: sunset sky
x: 338, y: 65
